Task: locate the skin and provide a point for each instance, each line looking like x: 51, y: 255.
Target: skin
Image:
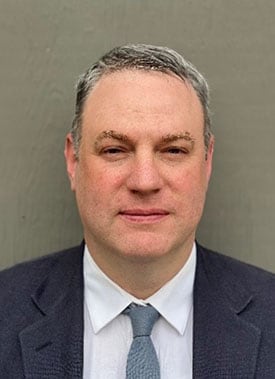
x: 141, y: 176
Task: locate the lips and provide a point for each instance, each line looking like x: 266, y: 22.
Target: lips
x: 144, y: 215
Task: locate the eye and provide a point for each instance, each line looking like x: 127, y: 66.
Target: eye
x: 176, y: 150
x: 174, y: 153
x: 114, y: 153
x: 113, y: 150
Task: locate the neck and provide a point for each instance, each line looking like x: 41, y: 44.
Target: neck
x: 139, y: 276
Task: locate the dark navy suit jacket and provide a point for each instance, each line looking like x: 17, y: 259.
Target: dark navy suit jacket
x: 41, y: 318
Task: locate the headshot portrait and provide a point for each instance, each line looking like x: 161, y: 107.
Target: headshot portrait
x: 133, y: 253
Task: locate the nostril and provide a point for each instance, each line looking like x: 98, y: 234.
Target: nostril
x: 145, y: 177
x: 143, y: 193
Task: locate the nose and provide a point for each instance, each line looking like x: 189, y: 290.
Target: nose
x: 145, y: 176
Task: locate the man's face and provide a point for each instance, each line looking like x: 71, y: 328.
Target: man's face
x: 142, y: 172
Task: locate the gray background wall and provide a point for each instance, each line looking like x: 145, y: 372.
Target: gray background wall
x: 44, y: 45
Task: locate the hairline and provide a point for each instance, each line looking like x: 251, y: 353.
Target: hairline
x: 88, y: 81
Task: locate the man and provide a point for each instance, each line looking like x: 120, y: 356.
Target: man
x: 139, y: 160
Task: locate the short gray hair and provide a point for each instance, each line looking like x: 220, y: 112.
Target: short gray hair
x: 140, y: 57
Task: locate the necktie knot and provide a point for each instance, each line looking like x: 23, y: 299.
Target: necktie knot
x: 143, y: 319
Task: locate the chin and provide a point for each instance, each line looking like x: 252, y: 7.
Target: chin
x: 143, y: 256
x: 142, y: 251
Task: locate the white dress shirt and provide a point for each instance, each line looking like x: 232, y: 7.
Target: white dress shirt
x: 108, y: 333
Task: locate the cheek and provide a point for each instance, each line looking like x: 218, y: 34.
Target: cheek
x: 96, y: 184
x: 108, y: 179
x: 189, y: 180
x: 190, y: 188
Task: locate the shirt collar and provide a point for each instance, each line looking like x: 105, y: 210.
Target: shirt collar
x: 105, y: 300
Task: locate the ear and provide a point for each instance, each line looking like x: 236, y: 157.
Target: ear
x: 71, y: 160
x: 209, y: 156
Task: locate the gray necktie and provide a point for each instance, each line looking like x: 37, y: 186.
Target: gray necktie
x: 142, y: 361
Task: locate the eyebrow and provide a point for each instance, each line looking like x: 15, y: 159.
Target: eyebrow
x: 112, y: 134
x: 175, y: 137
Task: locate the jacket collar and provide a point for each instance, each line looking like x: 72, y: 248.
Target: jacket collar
x: 54, y: 342
x: 225, y: 345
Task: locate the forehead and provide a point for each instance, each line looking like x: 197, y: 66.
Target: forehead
x: 142, y: 95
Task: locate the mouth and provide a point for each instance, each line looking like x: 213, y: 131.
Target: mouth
x: 144, y: 215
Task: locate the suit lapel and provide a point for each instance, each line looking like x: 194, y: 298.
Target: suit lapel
x: 53, y: 345
x: 225, y: 345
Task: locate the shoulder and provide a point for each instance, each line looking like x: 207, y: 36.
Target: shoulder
x: 237, y: 279
x: 24, y: 277
x: 29, y: 291
x: 240, y: 298
x: 220, y: 265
